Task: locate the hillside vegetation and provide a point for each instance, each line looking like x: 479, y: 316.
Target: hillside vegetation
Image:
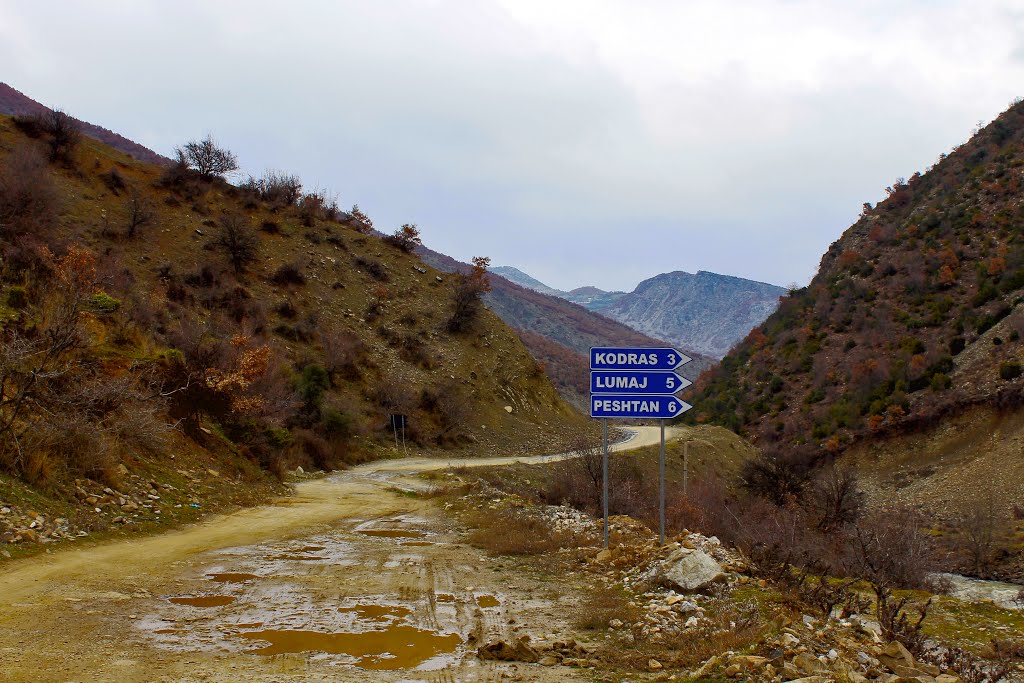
x: 559, y: 333
x: 158, y: 322
x: 913, y: 315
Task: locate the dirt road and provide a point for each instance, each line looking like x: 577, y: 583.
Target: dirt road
x: 347, y: 580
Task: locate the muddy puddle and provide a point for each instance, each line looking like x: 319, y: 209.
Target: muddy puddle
x: 232, y: 577
x: 392, y: 533
x: 399, y: 646
x: 293, y: 597
x: 487, y: 601
x: 202, y: 600
x: 379, y: 613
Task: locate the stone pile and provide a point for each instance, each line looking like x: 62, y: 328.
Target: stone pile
x: 566, y: 653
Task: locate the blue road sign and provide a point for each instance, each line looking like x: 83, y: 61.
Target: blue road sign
x: 637, y: 406
x: 636, y: 359
x: 636, y: 382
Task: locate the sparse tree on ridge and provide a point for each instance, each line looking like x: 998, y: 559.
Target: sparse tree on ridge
x: 207, y: 158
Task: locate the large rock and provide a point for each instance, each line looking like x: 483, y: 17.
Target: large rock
x: 894, y: 655
x: 689, y: 570
x: 518, y: 651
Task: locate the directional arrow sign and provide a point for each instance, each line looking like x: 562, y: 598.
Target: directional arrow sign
x: 636, y: 382
x: 636, y: 359
x: 637, y: 406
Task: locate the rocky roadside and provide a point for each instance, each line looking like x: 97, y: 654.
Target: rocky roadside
x: 93, y: 507
x: 694, y: 590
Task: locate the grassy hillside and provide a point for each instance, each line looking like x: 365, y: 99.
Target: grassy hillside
x: 152, y: 317
x: 914, y: 314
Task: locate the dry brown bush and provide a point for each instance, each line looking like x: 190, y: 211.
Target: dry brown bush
x: 28, y: 196
x: 603, y: 604
x: 519, y: 532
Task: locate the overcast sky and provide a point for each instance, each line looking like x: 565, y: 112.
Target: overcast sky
x: 584, y: 141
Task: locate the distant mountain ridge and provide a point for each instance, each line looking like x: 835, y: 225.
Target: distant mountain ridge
x: 16, y: 103
x: 558, y: 332
x: 704, y: 312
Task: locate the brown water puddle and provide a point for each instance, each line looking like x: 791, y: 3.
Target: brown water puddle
x: 400, y: 646
x: 417, y: 544
x: 487, y: 601
x: 444, y: 597
x: 232, y: 577
x: 392, y: 533
x: 311, y: 548
x: 378, y: 613
x: 203, y: 600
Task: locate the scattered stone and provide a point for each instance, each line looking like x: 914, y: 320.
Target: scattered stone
x: 654, y: 665
x: 691, y: 570
x: 520, y: 651
x: 894, y: 655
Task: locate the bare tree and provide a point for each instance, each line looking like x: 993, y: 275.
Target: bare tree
x: 342, y: 349
x: 238, y: 240
x: 28, y: 198
x: 834, y: 498
x: 979, y: 535
x: 207, y: 157
x: 140, y: 213
x: 63, y: 132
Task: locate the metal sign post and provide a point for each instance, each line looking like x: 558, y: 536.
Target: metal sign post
x: 604, y: 479
x: 636, y: 383
x: 661, y: 485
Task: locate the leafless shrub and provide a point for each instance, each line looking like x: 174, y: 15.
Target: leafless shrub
x: 289, y: 274
x: 342, y: 350
x: 834, y: 498
x: 61, y: 132
x: 114, y: 181
x: 28, y: 197
x: 969, y: 667
x: 318, y: 205
x: 276, y: 188
x: 891, y: 549
x: 139, y: 213
x: 979, y: 534
x: 779, y: 479
x: 238, y: 241
x: 453, y: 409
